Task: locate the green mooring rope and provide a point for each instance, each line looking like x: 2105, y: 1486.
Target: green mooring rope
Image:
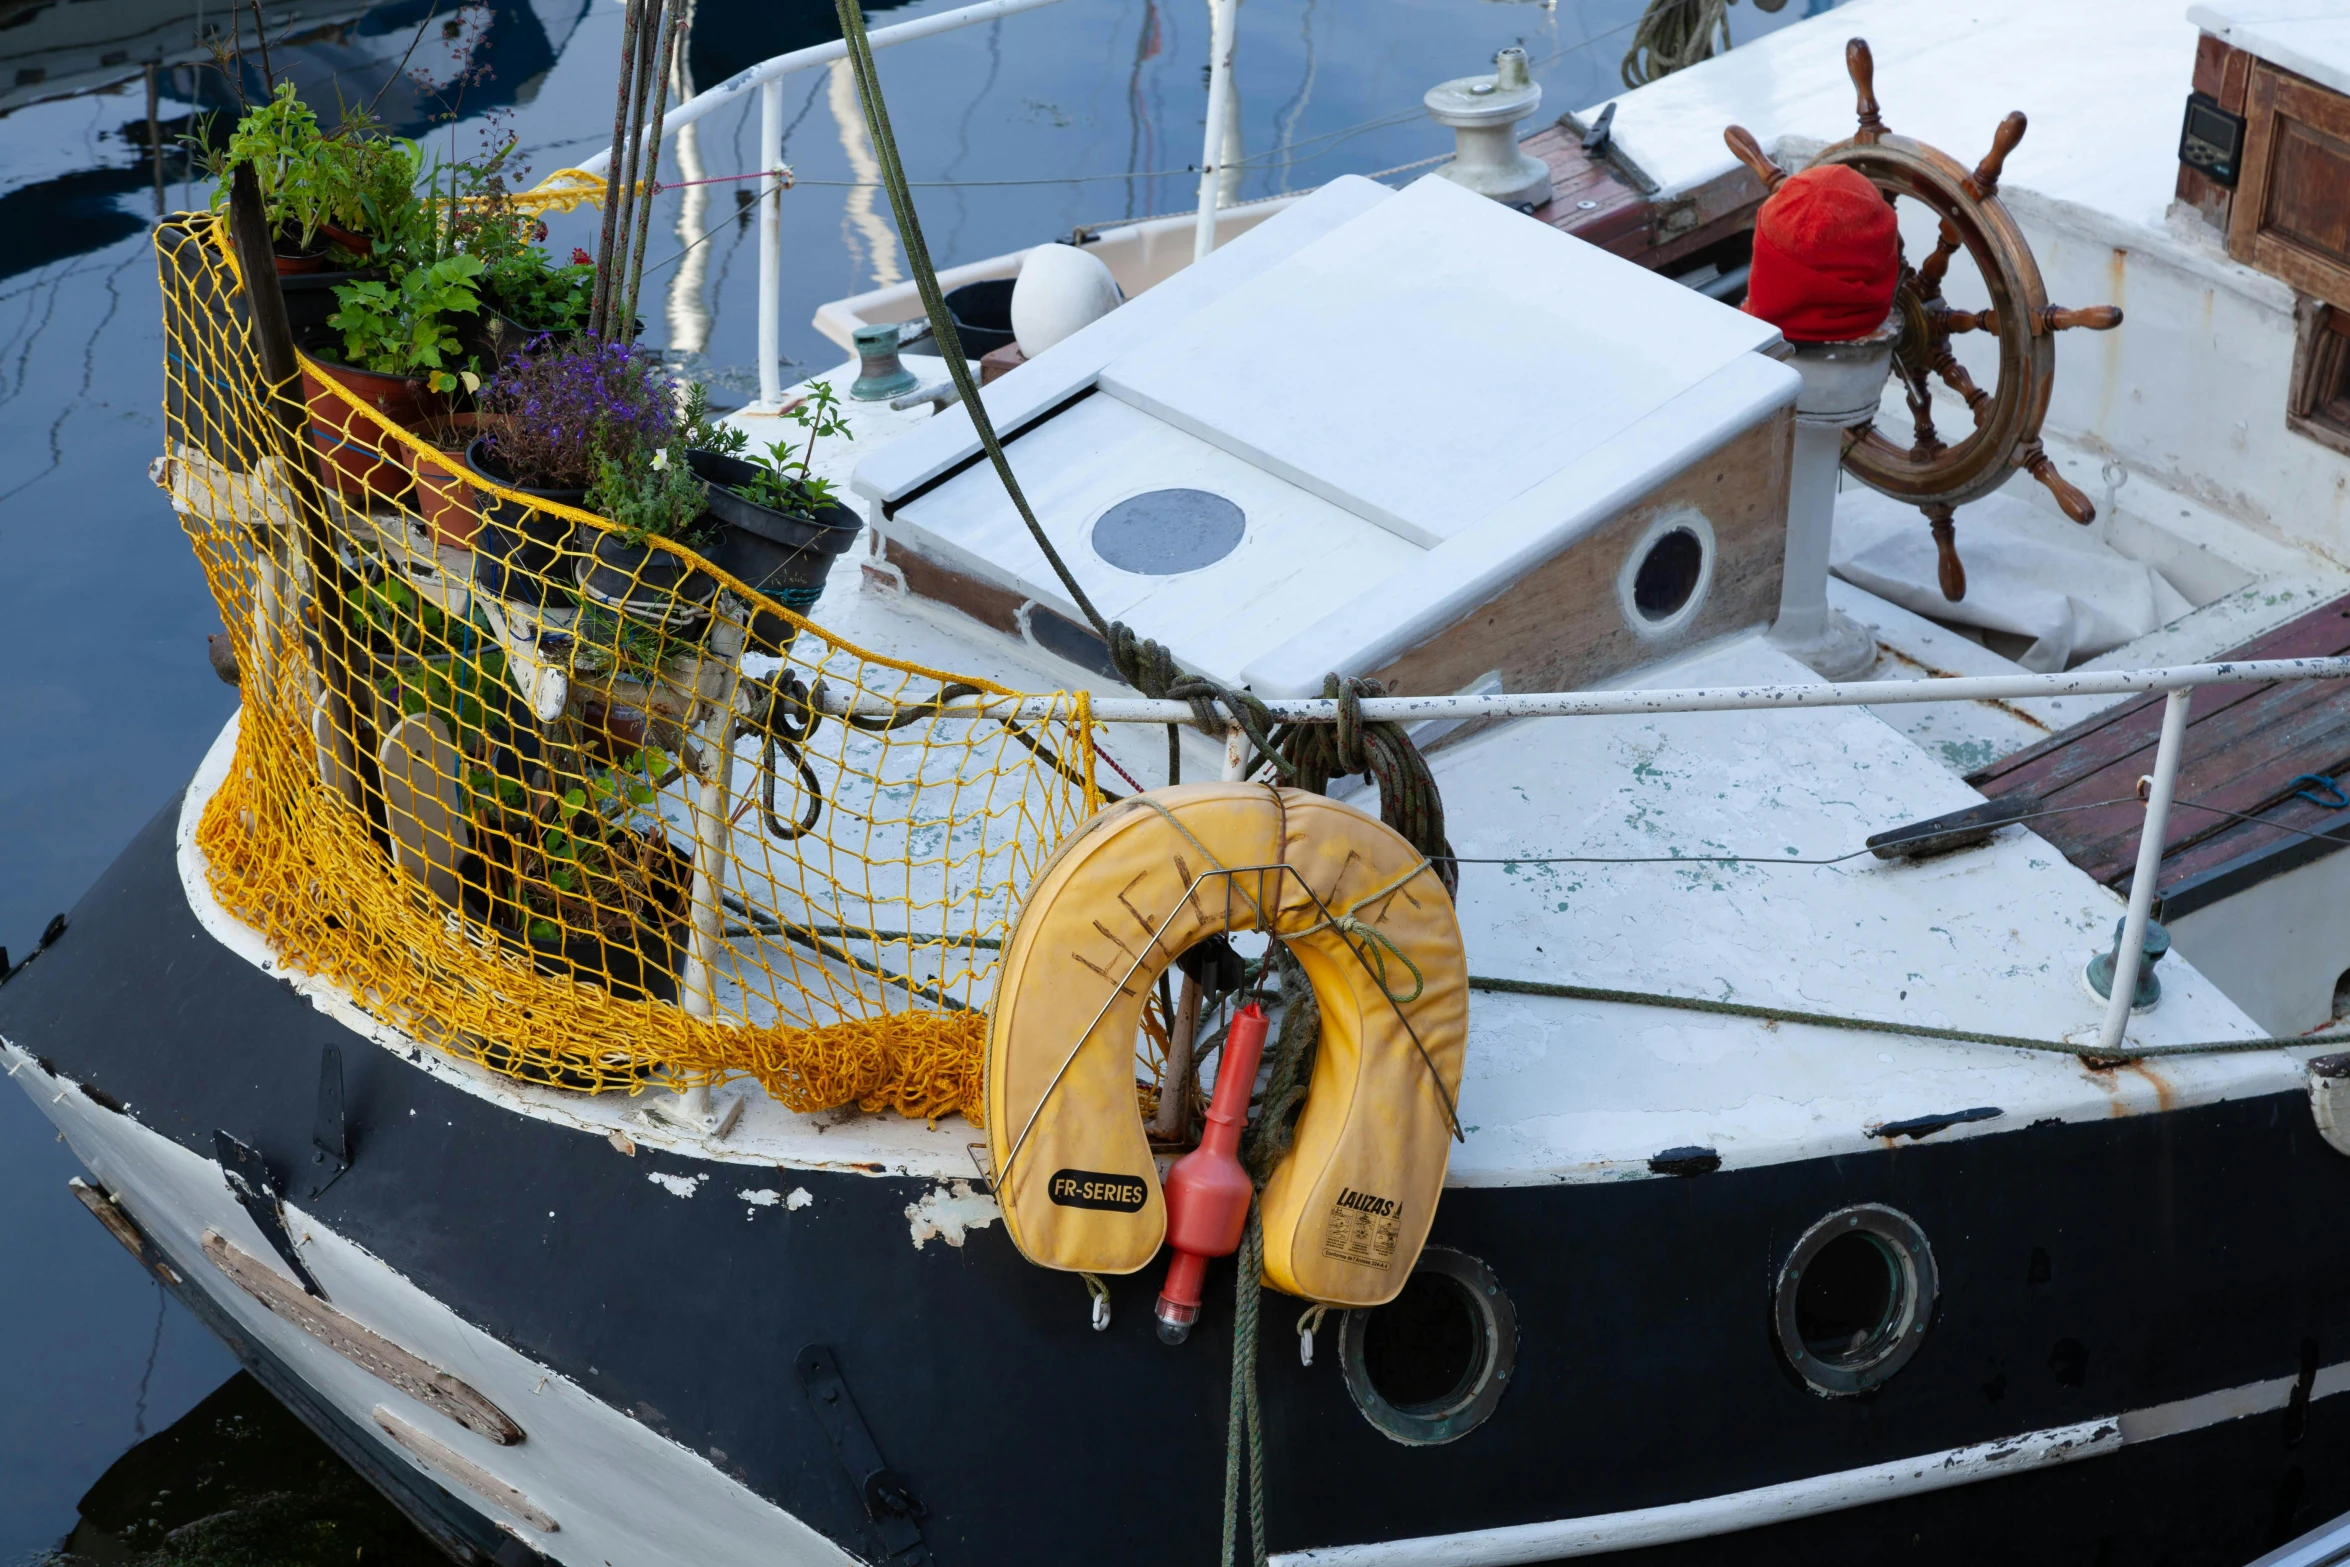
x: 1267, y: 1144
x: 1145, y: 665
x: 1408, y: 797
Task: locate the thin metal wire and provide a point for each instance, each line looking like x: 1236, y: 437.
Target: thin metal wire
x: 1764, y: 859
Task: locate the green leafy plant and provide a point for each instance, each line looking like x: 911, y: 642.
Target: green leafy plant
x: 604, y: 643
x: 281, y: 141
x: 354, y: 177
x: 783, y: 482
x: 706, y: 433
x: 402, y: 328
x: 591, y: 866
x: 650, y: 494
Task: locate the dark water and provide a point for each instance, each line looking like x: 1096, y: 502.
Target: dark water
x: 120, y: 1420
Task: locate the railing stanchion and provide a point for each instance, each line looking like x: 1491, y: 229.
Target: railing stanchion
x: 771, y: 245
x: 2130, y: 953
x: 1223, y: 24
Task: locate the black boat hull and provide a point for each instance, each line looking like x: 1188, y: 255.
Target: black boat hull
x: 2087, y: 1271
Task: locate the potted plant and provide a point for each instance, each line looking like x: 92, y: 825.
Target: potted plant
x: 782, y: 527
x: 547, y: 416
x: 281, y: 140
x: 525, y: 294
x: 649, y: 495
x: 324, y: 192
x: 594, y: 888
x: 444, y: 493
x: 399, y: 355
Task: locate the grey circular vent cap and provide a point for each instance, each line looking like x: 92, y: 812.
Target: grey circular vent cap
x: 1162, y: 533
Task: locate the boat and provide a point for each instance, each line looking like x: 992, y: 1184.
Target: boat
x: 1832, y: 1073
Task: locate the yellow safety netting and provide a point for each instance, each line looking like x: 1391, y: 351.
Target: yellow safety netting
x: 571, y: 810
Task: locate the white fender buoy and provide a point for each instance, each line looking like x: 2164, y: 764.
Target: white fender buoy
x: 1061, y: 289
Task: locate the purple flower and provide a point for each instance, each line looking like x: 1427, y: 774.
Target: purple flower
x: 560, y: 403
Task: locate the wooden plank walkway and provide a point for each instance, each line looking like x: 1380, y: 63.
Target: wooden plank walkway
x: 2245, y: 744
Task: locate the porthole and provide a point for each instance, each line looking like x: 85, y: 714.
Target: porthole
x: 1855, y: 1299
x: 1668, y: 575
x: 1667, y: 572
x: 1431, y: 1364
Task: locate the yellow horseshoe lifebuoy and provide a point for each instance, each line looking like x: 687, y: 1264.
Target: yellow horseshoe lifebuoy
x: 1346, y: 1213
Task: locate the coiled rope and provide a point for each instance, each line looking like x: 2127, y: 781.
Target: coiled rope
x: 1381, y: 751
x: 1675, y: 34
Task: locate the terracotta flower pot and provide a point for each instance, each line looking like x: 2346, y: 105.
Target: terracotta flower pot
x: 295, y: 258
x: 360, y: 460
x: 444, y: 494
x: 350, y: 239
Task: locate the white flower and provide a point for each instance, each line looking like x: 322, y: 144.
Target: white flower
x: 472, y: 381
x: 661, y: 460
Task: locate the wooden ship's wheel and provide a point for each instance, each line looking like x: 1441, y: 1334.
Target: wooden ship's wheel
x: 1935, y: 475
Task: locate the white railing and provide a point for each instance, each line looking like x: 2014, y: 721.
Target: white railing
x: 768, y: 76
x: 2177, y: 683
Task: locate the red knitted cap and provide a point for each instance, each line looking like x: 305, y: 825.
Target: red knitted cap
x: 1826, y: 257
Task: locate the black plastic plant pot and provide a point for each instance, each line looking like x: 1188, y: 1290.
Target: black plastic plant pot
x: 785, y: 555
x: 518, y: 554
x: 493, y: 337
x: 983, y: 314
x: 646, y: 582
x: 641, y: 965
x: 310, y: 299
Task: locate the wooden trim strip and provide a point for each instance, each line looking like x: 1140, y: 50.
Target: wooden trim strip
x: 379, y: 1357
x: 456, y: 1466
x: 119, y: 1224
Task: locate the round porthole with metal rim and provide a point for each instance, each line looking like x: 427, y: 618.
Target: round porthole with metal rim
x: 1431, y: 1364
x: 1854, y: 1299
x: 1663, y: 582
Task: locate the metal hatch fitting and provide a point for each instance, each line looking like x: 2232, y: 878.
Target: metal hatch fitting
x: 888, y: 1501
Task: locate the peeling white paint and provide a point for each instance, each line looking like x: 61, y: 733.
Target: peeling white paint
x: 677, y: 1185
x: 949, y: 1212
x: 768, y: 1197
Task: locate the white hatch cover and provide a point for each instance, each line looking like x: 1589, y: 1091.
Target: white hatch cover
x: 1431, y: 360
x: 1358, y: 420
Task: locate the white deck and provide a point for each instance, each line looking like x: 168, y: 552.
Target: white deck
x: 1991, y: 939
x: 2104, y: 82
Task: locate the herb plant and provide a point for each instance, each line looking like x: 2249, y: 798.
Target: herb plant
x: 558, y: 406
x: 354, y: 177
x: 604, y: 643
x: 704, y: 433
x: 649, y: 494
x: 402, y: 329
x: 783, y: 483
